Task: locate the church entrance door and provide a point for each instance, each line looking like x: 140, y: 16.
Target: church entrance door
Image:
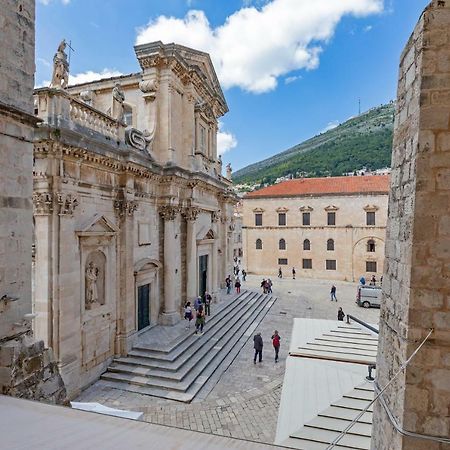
x: 203, y: 274
x: 143, y: 306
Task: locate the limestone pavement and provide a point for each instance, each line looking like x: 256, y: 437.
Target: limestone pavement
x: 244, y: 402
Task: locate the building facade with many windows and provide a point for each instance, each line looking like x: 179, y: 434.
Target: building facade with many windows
x: 331, y: 228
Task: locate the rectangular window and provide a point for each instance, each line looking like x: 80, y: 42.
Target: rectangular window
x: 258, y: 220
x: 371, y: 266
x: 370, y: 218
x: 282, y: 261
x: 306, y: 218
x: 202, y: 139
x: 281, y: 219
x: 331, y: 264
x: 331, y: 218
x: 307, y: 264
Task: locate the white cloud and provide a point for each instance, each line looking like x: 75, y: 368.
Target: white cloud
x: 225, y: 140
x: 255, y: 46
x: 44, y: 62
x: 289, y: 80
x: 86, y: 77
x: 331, y: 126
x: 367, y: 28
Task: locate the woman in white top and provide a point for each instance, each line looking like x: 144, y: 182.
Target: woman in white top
x: 188, y: 313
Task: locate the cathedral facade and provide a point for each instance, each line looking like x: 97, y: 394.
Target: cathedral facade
x: 132, y: 216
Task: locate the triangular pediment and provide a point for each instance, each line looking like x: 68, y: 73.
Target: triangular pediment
x: 98, y: 224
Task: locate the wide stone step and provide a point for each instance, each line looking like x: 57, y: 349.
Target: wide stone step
x: 347, y: 414
x: 219, y: 315
x: 198, y: 366
x: 306, y: 444
x: 196, y: 360
x: 327, y: 437
x: 166, y: 361
x: 333, y: 424
x: 352, y: 403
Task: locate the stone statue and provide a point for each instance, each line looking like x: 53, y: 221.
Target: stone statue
x: 60, y: 77
x: 92, y: 273
x: 117, y: 102
x: 229, y: 171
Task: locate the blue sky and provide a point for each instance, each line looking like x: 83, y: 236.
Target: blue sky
x: 290, y: 68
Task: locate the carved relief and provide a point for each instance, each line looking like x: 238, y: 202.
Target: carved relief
x: 169, y: 212
x: 95, y: 280
x: 67, y: 203
x: 215, y: 216
x: 43, y: 203
x: 191, y: 213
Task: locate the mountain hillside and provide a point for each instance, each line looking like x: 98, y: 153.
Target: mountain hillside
x: 363, y: 141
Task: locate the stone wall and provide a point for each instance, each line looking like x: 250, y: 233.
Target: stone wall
x: 416, y: 284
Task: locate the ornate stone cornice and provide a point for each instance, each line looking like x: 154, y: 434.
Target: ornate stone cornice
x: 306, y: 208
x: 191, y: 213
x: 371, y: 208
x: 331, y: 208
x: 169, y: 212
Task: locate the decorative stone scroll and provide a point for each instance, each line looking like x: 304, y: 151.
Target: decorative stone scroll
x: 137, y: 139
x: 169, y: 212
x: 191, y: 213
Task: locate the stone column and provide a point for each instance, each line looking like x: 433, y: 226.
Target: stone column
x: 171, y: 315
x: 191, y: 214
x: 215, y: 216
x: 416, y: 282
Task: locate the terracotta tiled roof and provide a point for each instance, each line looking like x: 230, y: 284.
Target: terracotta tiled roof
x: 323, y: 186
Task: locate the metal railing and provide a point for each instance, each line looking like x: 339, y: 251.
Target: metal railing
x: 361, y: 322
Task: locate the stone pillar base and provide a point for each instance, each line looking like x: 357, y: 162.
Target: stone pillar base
x: 171, y: 318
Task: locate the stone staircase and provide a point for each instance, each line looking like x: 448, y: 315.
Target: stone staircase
x: 320, y: 432
x: 181, y: 369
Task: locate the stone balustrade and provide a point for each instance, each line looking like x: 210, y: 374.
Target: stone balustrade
x: 57, y: 106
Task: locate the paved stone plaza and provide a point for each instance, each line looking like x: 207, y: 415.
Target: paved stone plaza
x: 244, y: 402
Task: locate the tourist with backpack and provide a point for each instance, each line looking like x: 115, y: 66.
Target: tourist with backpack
x: 199, y: 320
x: 237, y: 285
x: 258, y: 346
x: 276, y: 344
x: 188, y: 313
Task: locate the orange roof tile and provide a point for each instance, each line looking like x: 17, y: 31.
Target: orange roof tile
x: 321, y: 186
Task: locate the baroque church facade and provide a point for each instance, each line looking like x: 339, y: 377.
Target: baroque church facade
x: 132, y: 216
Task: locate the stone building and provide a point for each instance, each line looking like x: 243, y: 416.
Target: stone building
x: 26, y: 367
x: 332, y: 228
x: 132, y: 215
x: 414, y: 412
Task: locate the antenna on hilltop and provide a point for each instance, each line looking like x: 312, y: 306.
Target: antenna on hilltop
x: 359, y: 106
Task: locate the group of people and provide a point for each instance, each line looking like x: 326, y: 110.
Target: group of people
x: 280, y: 273
x: 266, y: 286
x: 202, y: 308
x: 372, y: 282
x: 229, y: 284
x: 258, y: 345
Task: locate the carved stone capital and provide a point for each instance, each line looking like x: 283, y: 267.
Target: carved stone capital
x: 191, y: 213
x: 169, y: 212
x: 125, y: 207
x: 66, y: 203
x: 42, y: 203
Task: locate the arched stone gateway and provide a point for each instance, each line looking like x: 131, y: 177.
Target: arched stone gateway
x: 413, y: 413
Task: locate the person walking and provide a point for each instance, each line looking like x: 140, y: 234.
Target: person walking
x: 199, y: 320
x: 188, y: 314
x: 198, y: 302
x: 228, y: 283
x: 333, y: 293
x: 269, y: 286
x: 276, y: 343
x: 293, y: 273
x: 244, y: 274
x: 341, y: 314
x: 280, y: 273
x: 207, y: 303
x: 373, y: 281
x: 258, y: 346
x: 237, y: 285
